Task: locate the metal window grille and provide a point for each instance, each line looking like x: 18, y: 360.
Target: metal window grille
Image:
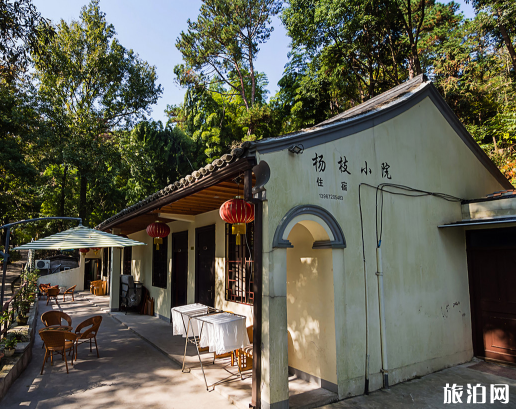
x: 240, y: 266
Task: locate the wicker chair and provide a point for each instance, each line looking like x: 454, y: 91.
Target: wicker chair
x: 57, y: 341
x: 55, y: 318
x: 52, y: 292
x: 69, y: 291
x: 43, y: 288
x: 89, y: 333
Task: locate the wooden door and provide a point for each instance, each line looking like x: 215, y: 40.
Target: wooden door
x: 179, y: 268
x: 492, y: 273
x: 205, y: 265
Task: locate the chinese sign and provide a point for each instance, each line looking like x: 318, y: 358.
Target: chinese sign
x: 345, y: 167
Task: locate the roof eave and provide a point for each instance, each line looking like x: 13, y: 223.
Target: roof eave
x: 242, y: 164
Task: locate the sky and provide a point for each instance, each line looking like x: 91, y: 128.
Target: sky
x: 151, y: 28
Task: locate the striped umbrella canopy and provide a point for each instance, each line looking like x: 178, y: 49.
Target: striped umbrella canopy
x: 80, y: 237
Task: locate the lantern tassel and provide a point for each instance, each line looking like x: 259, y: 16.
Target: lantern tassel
x: 238, y: 229
x: 157, y: 242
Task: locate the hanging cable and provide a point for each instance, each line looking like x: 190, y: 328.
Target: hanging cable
x: 393, y: 189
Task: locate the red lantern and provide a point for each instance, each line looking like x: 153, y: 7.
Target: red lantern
x: 96, y: 249
x: 237, y: 212
x: 158, y: 230
x: 84, y: 251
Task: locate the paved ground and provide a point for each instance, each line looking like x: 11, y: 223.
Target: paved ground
x: 220, y: 375
x: 130, y: 373
x: 428, y: 391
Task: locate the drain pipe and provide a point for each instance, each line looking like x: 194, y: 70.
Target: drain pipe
x: 366, y: 388
x: 381, y: 304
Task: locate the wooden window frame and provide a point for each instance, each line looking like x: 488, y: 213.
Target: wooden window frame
x: 239, y: 266
x: 160, y: 264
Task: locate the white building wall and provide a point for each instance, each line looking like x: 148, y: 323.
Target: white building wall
x: 142, y: 265
x: 425, y: 270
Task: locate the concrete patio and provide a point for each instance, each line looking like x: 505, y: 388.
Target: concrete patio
x: 130, y: 373
x: 424, y: 392
x: 139, y: 366
x: 221, y: 376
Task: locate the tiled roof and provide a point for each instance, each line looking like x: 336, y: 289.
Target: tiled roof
x: 188, y: 180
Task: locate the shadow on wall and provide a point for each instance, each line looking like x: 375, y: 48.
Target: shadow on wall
x: 310, y: 307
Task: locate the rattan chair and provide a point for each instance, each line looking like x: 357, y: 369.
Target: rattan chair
x: 55, y: 318
x: 52, y: 292
x: 84, y: 333
x: 43, y: 288
x: 69, y: 291
x: 57, y: 341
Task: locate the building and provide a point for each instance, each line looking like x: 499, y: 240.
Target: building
x: 345, y: 275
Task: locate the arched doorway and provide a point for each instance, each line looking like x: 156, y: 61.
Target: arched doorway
x: 307, y: 267
x: 310, y: 308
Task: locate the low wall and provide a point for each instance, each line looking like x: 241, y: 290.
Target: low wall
x: 12, y: 367
x: 67, y: 278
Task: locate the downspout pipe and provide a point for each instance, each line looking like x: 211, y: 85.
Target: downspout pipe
x: 366, y: 387
x: 381, y: 305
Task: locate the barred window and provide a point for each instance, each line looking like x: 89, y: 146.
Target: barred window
x: 159, y: 264
x: 240, y: 266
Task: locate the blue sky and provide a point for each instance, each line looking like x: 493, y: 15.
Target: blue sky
x: 151, y: 27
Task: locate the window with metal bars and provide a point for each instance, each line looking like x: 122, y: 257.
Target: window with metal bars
x: 240, y: 266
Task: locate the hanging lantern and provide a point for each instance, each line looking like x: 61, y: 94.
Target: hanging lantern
x: 237, y: 212
x: 96, y: 249
x: 158, y: 230
x: 84, y: 251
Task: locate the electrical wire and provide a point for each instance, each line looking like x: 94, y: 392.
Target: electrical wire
x: 380, y: 190
x: 405, y: 191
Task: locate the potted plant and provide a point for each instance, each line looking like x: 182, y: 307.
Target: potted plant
x: 7, y: 317
x: 23, y: 308
x: 9, y: 343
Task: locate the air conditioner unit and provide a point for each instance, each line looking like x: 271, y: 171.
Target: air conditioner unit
x: 43, y: 264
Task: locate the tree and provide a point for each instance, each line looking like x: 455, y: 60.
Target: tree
x: 156, y: 156
x: 22, y: 32
x: 92, y: 86
x: 216, y: 118
x: 501, y: 21
x: 221, y: 48
x: 347, y: 51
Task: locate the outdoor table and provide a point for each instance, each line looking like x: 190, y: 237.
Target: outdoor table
x: 225, y: 333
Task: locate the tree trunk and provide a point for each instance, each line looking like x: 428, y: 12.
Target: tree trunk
x: 507, y: 41
x: 63, y: 187
x: 83, y: 208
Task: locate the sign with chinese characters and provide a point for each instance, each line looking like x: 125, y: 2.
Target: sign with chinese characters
x: 345, y: 168
x: 476, y: 393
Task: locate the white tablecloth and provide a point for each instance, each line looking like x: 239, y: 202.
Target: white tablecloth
x: 224, y: 333
x: 179, y: 319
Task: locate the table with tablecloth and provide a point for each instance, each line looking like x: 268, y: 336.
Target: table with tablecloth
x: 204, y: 326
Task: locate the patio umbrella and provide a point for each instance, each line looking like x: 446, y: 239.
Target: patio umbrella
x: 79, y: 237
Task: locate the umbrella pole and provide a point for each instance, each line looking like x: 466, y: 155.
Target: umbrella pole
x: 6, y: 257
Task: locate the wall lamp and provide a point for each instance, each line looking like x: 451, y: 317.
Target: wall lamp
x: 296, y: 149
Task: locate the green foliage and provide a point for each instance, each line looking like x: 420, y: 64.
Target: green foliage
x: 91, y: 86
x: 23, y: 32
x: 10, y: 341
x: 224, y: 92
x: 156, y: 156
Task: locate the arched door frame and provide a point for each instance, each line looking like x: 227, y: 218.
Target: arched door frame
x: 327, y: 234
